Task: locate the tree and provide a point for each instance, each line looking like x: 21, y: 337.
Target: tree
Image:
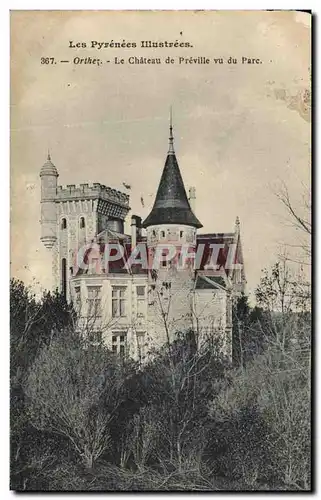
x: 270, y: 398
x: 240, y: 320
x: 177, y: 384
x: 73, y: 390
x: 33, y: 324
x: 300, y: 219
x: 285, y: 297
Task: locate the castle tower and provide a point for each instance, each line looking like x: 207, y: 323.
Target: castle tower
x: 71, y: 218
x: 171, y: 223
x: 49, y: 176
x: 83, y: 211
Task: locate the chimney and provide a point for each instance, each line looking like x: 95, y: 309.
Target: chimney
x: 136, y: 231
x: 133, y: 231
x: 138, y: 227
x: 192, y: 198
x: 237, y: 226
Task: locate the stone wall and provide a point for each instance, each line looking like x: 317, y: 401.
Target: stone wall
x: 213, y: 317
x: 72, y: 237
x: 131, y: 325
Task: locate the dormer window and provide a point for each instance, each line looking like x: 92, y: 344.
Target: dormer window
x: 64, y: 223
x: 82, y: 222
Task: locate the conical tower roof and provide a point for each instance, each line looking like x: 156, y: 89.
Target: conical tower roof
x: 171, y: 205
x: 48, y: 168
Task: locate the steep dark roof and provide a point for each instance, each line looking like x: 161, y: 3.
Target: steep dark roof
x: 171, y: 204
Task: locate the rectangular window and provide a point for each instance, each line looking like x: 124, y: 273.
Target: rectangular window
x: 141, y: 301
x: 119, y: 343
x: 94, y: 301
x: 118, y: 301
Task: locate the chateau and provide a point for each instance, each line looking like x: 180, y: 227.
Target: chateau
x: 138, y: 307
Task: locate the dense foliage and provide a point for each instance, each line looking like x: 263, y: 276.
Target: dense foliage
x: 83, y: 418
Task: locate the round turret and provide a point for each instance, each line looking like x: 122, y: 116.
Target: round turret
x: 48, y: 175
x: 48, y: 168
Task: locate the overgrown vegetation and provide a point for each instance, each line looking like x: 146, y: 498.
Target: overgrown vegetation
x: 85, y: 419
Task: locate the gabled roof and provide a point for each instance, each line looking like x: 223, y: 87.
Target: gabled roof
x: 171, y: 205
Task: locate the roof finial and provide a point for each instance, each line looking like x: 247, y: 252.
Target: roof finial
x: 237, y: 224
x: 171, y: 138
x: 49, y: 157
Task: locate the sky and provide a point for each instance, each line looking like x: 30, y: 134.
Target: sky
x: 240, y: 130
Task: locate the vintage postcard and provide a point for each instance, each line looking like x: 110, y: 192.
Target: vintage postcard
x: 160, y: 251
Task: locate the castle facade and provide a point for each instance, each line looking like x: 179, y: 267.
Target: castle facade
x: 139, y: 290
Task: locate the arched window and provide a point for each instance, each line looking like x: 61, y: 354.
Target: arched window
x: 162, y: 234
x: 154, y: 232
x: 82, y: 222
x: 64, y: 277
x: 64, y: 223
x: 181, y: 234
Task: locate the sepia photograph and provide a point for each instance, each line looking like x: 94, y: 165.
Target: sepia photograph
x: 160, y: 251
